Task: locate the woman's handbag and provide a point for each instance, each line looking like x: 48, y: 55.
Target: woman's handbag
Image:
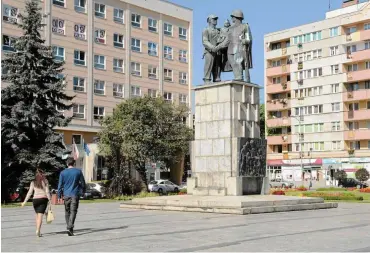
x: 49, y: 215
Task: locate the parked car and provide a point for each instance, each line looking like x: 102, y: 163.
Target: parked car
x: 98, y: 187
x: 163, y: 186
x: 280, y: 183
x: 351, y: 182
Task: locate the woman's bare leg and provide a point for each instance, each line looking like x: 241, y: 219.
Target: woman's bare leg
x: 39, y: 223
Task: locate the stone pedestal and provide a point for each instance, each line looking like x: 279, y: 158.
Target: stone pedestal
x: 226, y: 118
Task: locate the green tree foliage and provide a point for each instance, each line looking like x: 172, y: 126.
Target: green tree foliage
x: 262, y: 121
x: 29, y: 105
x: 362, y: 175
x: 143, y: 130
x: 340, y: 175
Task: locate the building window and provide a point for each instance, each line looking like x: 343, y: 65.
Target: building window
x: 183, y: 55
x: 351, y: 49
x: 167, y: 96
x: 354, y: 145
x: 183, y: 98
x: 276, y: 46
x: 10, y: 14
x: 59, y: 3
x: 352, y: 67
x: 276, y: 80
x: 168, y: 75
x: 135, y: 91
x: 367, y: 84
x: 135, y: 20
x: 351, y: 30
x: 335, y: 126
x: 100, y: 36
x: 118, y: 40
x: 353, y: 87
x: 80, y: 58
x: 335, y: 107
x: 152, y: 25
x: 58, y: 53
x: 334, y: 69
x: 118, y: 15
x: 98, y: 112
x: 99, y: 87
x: 367, y: 26
x: 168, y: 52
x: 152, y: 93
x: 58, y: 26
x: 8, y: 43
x: 135, y: 45
x: 80, y: 6
x: 99, y: 10
x: 334, y: 31
x: 336, y: 145
x: 183, y: 78
x: 135, y: 69
x: 367, y: 65
x: 152, y: 72
x: 152, y: 49
x: 335, y: 88
x: 367, y: 45
x: 118, y: 65
x: 79, y: 113
x: 167, y: 29
x: 80, y: 32
x: 99, y: 61
x: 78, y: 84
x: 354, y: 107
x: 334, y: 50
x: 182, y: 33
x: 353, y: 125
x: 368, y: 105
x: 118, y: 90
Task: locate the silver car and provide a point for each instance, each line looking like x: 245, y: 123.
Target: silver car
x: 163, y: 186
x: 280, y: 183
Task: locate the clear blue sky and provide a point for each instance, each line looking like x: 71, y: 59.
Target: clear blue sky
x: 264, y: 16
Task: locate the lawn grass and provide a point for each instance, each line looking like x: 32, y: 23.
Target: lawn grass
x: 366, y: 196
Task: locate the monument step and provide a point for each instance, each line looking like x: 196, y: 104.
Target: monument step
x: 239, y: 211
x: 209, y: 191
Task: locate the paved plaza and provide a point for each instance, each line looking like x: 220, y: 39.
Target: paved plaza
x: 105, y: 227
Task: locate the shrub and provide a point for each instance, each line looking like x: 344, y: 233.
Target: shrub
x: 301, y: 188
x: 278, y: 192
x: 351, y: 189
x: 184, y: 191
x: 365, y: 190
x: 340, y: 175
x: 333, y: 195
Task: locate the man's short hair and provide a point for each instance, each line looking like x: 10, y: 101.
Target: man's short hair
x: 71, y: 161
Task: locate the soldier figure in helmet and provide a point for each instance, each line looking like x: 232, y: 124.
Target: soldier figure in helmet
x: 239, y: 47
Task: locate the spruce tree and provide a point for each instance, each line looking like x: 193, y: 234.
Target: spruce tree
x: 29, y: 105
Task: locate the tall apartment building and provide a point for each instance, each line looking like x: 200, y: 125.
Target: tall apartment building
x: 113, y: 50
x: 317, y: 83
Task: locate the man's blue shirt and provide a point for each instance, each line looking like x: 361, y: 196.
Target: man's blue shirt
x: 71, y: 183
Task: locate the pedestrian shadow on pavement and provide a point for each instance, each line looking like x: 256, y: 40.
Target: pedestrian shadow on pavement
x: 85, y: 231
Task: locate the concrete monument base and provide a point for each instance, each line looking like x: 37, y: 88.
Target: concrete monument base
x: 242, y: 205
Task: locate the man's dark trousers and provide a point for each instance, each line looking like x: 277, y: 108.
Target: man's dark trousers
x: 71, y: 207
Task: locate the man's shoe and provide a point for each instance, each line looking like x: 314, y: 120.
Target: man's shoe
x: 70, y: 232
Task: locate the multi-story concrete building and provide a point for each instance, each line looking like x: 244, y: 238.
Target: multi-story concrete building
x: 113, y: 50
x: 317, y: 83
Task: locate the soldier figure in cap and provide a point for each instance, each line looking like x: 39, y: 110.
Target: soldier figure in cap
x: 210, y: 37
x: 239, y: 47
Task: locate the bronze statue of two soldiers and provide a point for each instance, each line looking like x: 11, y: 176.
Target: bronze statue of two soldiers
x: 227, y: 49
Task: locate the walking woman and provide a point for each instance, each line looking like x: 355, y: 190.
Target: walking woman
x: 41, y: 197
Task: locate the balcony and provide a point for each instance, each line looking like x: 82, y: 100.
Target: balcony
x: 361, y: 134
x: 278, y: 71
x: 278, y: 88
x: 363, y: 94
x: 365, y: 35
x: 278, y: 53
x: 279, y: 139
x: 276, y: 122
x: 278, y: 104
x: 357, y: 115
x: 361, y: 75
x: 349, y: 38
x: 359, y: 56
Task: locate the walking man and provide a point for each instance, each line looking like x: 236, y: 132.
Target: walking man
x: 72, y: 186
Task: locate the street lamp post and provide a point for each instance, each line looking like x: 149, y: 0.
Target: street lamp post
x: 300, y: 139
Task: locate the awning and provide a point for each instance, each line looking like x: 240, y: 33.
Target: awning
x: 295, y: 162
